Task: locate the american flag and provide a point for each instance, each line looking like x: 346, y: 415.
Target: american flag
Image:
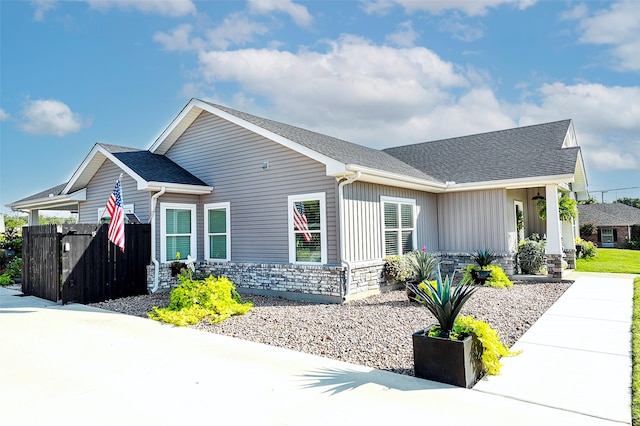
x: 300, y: 220
x: 116, y: 225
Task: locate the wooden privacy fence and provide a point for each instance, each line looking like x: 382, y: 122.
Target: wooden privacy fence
x: 77, y: 263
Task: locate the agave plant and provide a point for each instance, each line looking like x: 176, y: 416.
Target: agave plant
x: 484, y: 258
x: 444, y: 300
x: 422, y: 264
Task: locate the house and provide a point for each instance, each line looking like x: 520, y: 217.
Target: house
x: 287, y: 211
x: 614, y: 223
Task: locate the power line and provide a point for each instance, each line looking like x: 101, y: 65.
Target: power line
x: 602, y: 192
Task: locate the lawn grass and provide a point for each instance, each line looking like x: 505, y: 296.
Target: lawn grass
x: 635, y: 355
x: 611, y: 260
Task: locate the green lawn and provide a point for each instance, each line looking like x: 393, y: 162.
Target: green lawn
x: 611, y: 260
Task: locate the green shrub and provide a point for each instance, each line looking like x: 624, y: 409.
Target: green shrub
x: 587, y: 249
x: 14, y: 268
x: 587, y: 229
x: 214, y: 299
x: 483, y: 258
x: 531, y: 256
x: 497, y: 279
x: 492, y: 348
x: 397, y: 268
x: 5, y: 279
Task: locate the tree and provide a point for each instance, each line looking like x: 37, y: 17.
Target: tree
x: 633, y: 202
x: 15, y: 222
x: 591, y: 200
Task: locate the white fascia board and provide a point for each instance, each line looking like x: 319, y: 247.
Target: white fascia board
x: 97, y: 156
x: 394, y: 179
x: 511, y: 183
x: 184, y: 119
x: 177, y: 126
x: 51, y: 202
x: 178, y: 188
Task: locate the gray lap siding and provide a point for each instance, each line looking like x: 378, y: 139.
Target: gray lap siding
x: 230, y: 159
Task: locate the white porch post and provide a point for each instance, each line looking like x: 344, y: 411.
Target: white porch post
x: 34, y: 216
x: 554, y: 240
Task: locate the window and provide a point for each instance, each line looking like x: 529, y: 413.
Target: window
x: 307, y: 229
x: 217, y: 243
x: 399, y: 225
x: 607, y: 235
x: 178, y: 231
x: 104, y: 216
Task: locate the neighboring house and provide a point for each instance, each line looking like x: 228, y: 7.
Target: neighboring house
x: 615, y: 223
x: 230, y: 188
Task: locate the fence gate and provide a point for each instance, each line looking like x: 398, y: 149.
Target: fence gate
x: 41, y: 262
x: 77, y: 263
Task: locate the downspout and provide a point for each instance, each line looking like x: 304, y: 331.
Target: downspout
x: 152, y: 222
x: 343, y: 259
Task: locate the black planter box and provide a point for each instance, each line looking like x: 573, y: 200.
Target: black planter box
x: 455, y: 362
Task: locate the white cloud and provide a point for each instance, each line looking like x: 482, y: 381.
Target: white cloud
x: 405, y: 36
x: 41, y: 8
x: 236, y: 29
x: 179, y: 39
x: 618, y: 27
x: 171, y: 8
x: 468, y: 7
x: 4, y: 115
x: 605, y: 117
x: 50, y: 117
x: 298, y: 13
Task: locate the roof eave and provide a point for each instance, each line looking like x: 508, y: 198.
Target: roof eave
x: 512, y: 183
x: 56, y: 202
x: 177, y: 188
x: 371, y: 175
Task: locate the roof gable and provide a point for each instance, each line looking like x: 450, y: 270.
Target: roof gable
x: 340, y: 157
x: 150, y: 171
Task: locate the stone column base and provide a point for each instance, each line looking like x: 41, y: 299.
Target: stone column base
x: 554, y: 267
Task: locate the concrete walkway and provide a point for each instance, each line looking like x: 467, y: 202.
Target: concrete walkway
x: 75, y: 365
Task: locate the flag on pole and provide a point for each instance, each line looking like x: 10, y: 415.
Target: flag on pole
x: 300, y: 220
x: 116, y: 224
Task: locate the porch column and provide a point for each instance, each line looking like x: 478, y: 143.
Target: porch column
x: 554, y: 240
x: 34, y: 216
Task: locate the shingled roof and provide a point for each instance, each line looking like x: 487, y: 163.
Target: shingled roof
x: 152, y: 167
x: 609, y: 214
x: 522, y: 152
x: 337, y: 149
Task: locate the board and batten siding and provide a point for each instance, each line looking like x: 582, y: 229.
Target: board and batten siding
x: 363, y: 219
x: 101, y: 186
x: 474, y: 220
x: 230, y: 159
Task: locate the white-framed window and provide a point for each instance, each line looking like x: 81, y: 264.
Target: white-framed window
x: 105, y: 217
x: 307, y: 228
x: 177, y: 231
x: 217, y: 239
x: 607, y: 235
x: 398, y: 225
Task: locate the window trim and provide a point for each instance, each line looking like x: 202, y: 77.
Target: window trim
x: 103, y: 214
x: 163, y: 228
x: 321, y: 196
x: 609, y: 233
x: 207, y: 249
x: 396, y: 200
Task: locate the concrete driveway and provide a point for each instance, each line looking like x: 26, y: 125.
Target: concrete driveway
x: 76, y: 365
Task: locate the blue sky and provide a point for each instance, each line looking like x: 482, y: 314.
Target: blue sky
x: 378, y: 73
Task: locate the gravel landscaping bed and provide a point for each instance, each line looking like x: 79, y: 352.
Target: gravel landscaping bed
x: 375, y: 332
